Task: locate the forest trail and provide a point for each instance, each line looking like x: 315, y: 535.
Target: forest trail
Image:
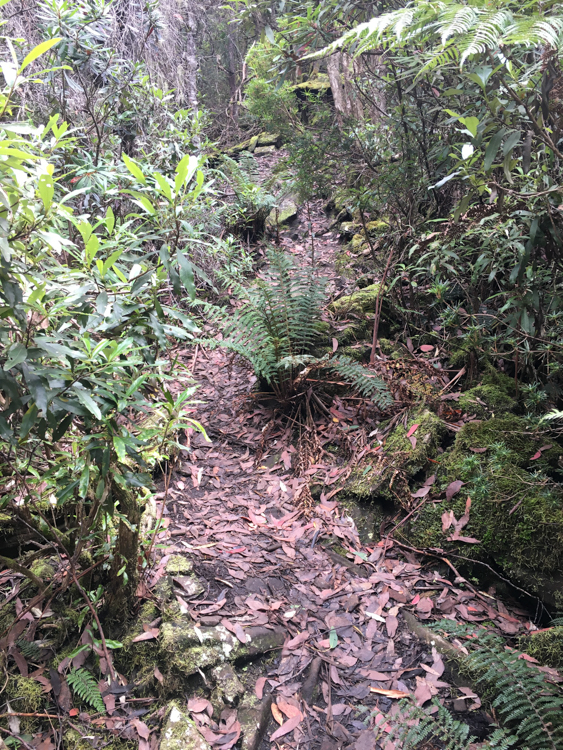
x: 237, y: 509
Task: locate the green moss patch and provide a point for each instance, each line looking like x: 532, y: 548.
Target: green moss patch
x: 390, y: 475
x: 485, y: 401
x: 545, y: 645
x: 517, y: 509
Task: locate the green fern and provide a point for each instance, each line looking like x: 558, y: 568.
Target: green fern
x: 278, y: 327
x: 413, y: 727
x: 252, y: 203
x: 86, y: 688
x: 364, y: 381
x: 524, y: 701
x: 461, y: 29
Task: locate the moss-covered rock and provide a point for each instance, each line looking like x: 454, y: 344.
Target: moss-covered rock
x: 73, y: 740
x: 260, y: 140
x: 485, y: 401
x: 188, y: 648
x: 516, y: 512
x: 391, y: 475
x: 318, y: 84
x: 180, y: 732
x: 285, y: 213
x: 229, y: 689
x: 43, y: 569
x: 360, y: 303
x: 493, y: 377
x: 545, y: 645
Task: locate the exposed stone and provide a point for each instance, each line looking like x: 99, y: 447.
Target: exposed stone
x: 283, y: 214
x: 260, y: 150
x: 254, y: 716
x: 229, y: 688
x: 190, y: 648
x: 180, y: 733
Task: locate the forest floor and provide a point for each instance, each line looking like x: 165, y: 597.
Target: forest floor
x: 265, y: 557
x: 272, y: 616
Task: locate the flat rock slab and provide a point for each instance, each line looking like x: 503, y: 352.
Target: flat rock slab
x: 190, y: 648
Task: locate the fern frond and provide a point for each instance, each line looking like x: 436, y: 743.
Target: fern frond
x: 525, y: 702
x: 470, y: 28
x: 365, y: 382
x: 85, y: 686
x: 414, y: 726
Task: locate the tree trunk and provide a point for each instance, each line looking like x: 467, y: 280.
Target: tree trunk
x: 121, y: 589
x: 190, y: 58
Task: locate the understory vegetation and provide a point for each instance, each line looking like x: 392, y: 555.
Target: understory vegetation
x: 139, y: 228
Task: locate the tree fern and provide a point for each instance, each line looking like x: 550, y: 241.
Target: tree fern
x: 86, y: 688
x: 524, y: 701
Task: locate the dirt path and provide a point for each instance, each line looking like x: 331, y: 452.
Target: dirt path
x: 234, y: 507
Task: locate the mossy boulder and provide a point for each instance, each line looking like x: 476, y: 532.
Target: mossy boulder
x: 391, y: 476
x: 187, y: 648
x: 263, y: 139
x: 318, y: 84
x: 73, y: 740
x: 517, y: 509
x: 360, y: 303
x: 486, y: 401
x: 283, y: 214
x: 25, y: 696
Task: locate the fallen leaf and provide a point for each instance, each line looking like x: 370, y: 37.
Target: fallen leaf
x: 286, y: 728
x: 453, y: 488
x: 199, y: 705
x: 422, y: 492
x: 389, y: 693
x: 334, y: 345
x: 412, y: 430
x: 391, y: 623
x: 142, y: 729
x: 288, y: 709
x: 147, y: 635
x: 158, y: 675
x: 277, y: 714
x: 426, y: 348
x: 448, y: 519
x: 259, y: 687
x: 422, y: 692
x: 466, y: 539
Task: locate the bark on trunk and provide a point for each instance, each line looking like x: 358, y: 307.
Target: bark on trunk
x: 121, y: 591
x: 190, y: 61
